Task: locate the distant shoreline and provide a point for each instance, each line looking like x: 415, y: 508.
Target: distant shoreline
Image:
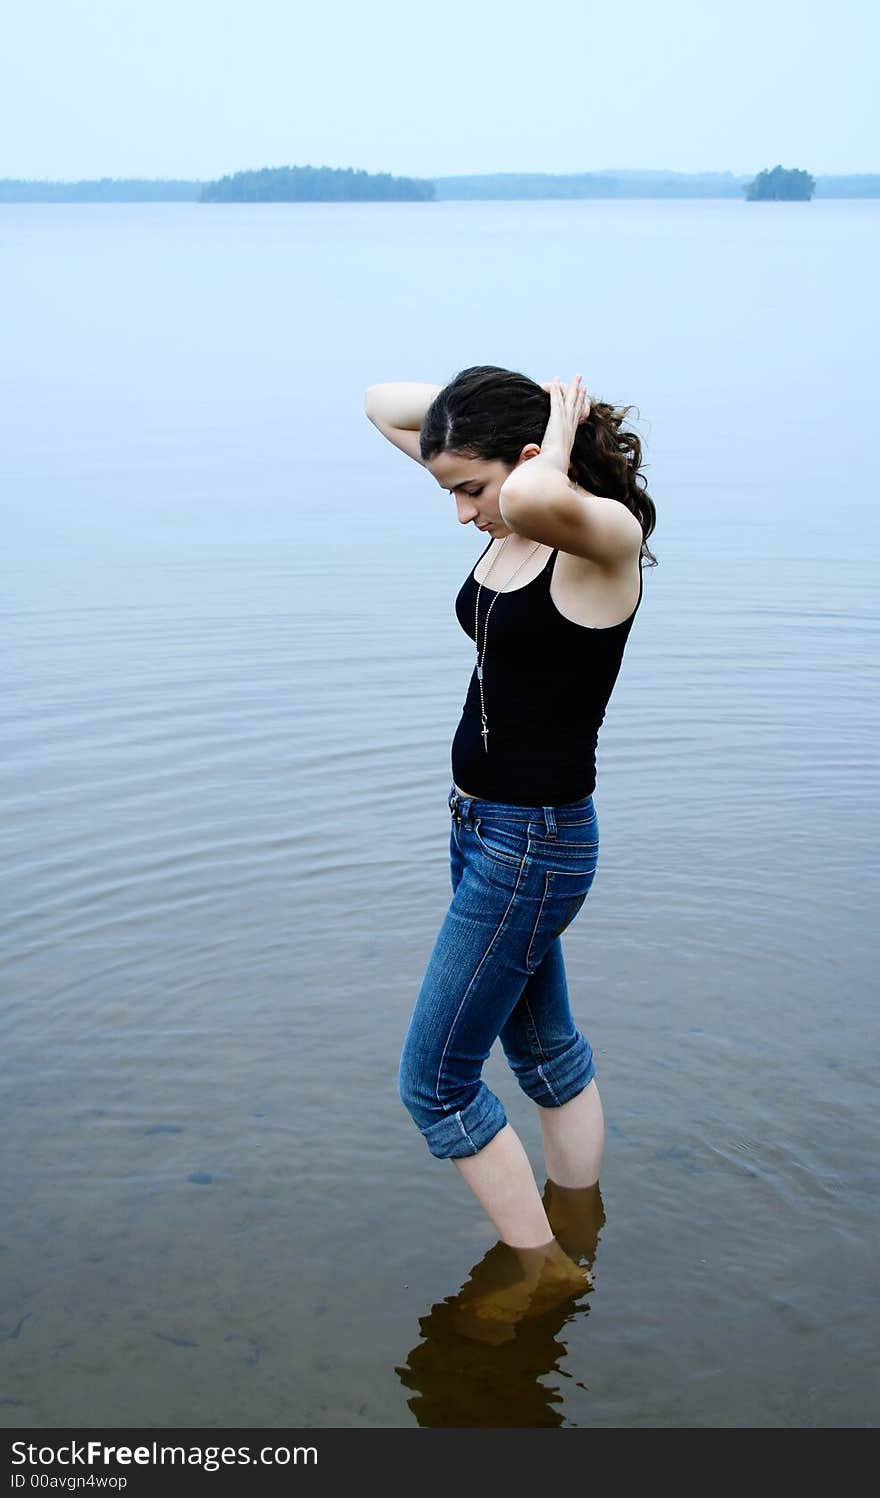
x: 488, y: 187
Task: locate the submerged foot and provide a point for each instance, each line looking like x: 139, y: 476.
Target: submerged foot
x: 546, y: 1278
x: 576, y: 1216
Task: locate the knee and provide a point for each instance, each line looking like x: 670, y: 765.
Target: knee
x: 461, y: 1124
x: 556, y: 1078
x: 419, y: 1088
x: 410, y: 1088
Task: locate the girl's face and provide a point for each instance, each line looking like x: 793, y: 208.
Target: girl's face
x: 475, y: 484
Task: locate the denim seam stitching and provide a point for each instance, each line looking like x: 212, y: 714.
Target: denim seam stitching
x: 474, y: 976
x: 529, y: 968
x: 558, y: 845
x: 548, y: 1084
x: 537, y: 1048
x: 458, y: 1120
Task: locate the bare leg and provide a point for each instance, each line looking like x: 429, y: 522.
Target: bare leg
x: 501, y: 1179
x: 574, y: 1138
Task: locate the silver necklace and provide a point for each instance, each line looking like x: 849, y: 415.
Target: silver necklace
x: 481, y: 657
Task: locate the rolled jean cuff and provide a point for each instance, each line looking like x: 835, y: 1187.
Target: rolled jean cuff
x: 552, y: 1083
x: 468, y: 1130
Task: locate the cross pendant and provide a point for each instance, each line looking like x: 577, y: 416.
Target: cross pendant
x: 485, y: 732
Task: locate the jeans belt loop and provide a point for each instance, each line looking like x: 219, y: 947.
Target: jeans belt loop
x: 549, y: 820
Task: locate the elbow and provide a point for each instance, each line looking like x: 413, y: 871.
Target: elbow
x: 511, y: 494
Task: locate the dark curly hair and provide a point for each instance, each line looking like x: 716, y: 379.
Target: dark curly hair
x: 492, y: 413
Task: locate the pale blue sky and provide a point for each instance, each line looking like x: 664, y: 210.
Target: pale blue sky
x: 198, y: 88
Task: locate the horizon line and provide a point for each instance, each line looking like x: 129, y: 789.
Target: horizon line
x: 440, y: 177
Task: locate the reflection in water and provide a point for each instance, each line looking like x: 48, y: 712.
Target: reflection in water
x: 485, y: 1350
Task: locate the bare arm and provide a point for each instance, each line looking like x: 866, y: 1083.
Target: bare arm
x: 398, y: 410
x: 539, y: 500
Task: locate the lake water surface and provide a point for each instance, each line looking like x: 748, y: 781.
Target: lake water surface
x: 233, y: 673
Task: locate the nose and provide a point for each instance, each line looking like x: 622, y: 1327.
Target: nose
x: 466, y: 512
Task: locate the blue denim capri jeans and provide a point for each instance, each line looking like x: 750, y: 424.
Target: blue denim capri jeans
x: 520, y: 874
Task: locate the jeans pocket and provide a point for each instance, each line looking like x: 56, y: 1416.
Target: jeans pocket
x: 505, y: 842
x: 562, y: 898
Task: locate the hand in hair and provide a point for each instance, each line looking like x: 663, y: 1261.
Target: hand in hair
x: 569, y: 406
x: 548, y: 386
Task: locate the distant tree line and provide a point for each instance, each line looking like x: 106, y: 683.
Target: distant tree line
x: 316, y: 184
x: 855, y: 185
x: 783, y: 184
x: 623, y: 184
x: 104, y: 190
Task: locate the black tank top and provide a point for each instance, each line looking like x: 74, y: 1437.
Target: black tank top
x: 546, y: 684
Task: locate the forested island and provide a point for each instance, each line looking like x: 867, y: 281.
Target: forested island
x: 781, y: 185
x: 316, y: 184
x: 307, y: 184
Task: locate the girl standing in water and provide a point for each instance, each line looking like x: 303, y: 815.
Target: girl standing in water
x: 554, y: 482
